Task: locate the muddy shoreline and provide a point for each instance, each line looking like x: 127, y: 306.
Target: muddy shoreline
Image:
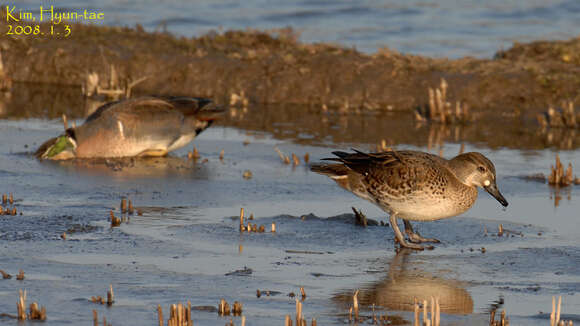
x: 273, y: 67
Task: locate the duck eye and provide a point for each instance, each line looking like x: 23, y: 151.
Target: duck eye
x: 481, y: 169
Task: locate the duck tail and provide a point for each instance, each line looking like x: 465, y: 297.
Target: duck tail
x: 331, y: 170
x: 209, y: 111
x: 203, y: 109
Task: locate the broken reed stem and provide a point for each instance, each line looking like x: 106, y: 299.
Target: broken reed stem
x: 432, y: 107
x: 558, y: 310
x: 5, y: 275
x: 280, y: 154
x: 194, y: 155
x: 416, y: 313
x: 237, y: 308
x: 160, y: 314
x: 188, y: 314
x: 349, y: 314
x: 179, y: 315
x: 432, y: 311
x: 559, y: 176
x: 172, y: 313
x: 283, y: 157
x: 440, y: 104
x: 242, y: 219
x: 434, y: 319
x: 440, y: 110
x: 64, y: 121
x: 35, y: 313
x: 21, y: 305
x: 564, y: 118
x: 95, y: 318
x: 355, y: 304
x: 123, y: 206
x: 115, y: 221
x: 443, y: 88
x: 295, y: 159
x: 298, y: 312
x: 437, y: 312
x: 424, y: 310
x: 133, y: 84
x: 110, y: 295
x: 223, y: 308
x: 288, y: 321
x: 303, y: 293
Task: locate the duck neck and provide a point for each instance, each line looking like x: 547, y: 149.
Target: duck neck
x: 457, y: 167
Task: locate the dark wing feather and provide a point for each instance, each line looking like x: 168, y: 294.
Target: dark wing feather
x: 402, y: 172
x: 202, y: 108
x: 100, y: 110
x: 363, y: 162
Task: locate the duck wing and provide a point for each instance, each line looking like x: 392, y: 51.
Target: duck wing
x: 396, y: 172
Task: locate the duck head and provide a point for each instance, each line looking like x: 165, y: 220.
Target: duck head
x: 476, y: 170
x: 62, y: 147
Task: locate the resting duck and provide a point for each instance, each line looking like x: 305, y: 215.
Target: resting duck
x: 144, y: 126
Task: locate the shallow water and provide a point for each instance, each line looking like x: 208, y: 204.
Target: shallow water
x: 443, y: 28
x: 187, y: 238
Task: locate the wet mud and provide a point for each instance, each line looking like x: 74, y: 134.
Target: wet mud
x: 273, y: 67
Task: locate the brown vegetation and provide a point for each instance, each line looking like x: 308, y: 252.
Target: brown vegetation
x: 273, y: 67
x: 559, y: 178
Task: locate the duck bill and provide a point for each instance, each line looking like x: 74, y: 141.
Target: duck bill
x: 492, y: 190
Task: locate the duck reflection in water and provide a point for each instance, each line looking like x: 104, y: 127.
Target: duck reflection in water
x: 129, y: 167
x: 404, y: 283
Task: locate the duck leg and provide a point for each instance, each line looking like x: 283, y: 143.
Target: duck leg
x: 415, y: 237
x: 399, y: 236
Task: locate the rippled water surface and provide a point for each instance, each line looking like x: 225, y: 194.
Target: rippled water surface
x: 186, y: 243
x: 443, y: 28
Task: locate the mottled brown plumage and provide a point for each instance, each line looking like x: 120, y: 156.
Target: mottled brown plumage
x: 414, y: 185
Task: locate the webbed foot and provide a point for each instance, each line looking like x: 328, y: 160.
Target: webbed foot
x: 399, y: 236
x: 415, y: 237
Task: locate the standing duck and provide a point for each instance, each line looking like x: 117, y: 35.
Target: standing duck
x: 414, y: 185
